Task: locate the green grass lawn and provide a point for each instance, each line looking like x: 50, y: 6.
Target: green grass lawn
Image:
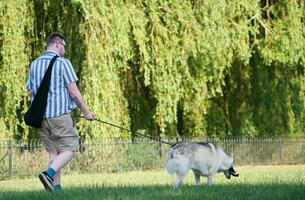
x: 271, y: 182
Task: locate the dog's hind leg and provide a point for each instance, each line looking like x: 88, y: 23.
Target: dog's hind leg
x: 197, y: 177
x: 179, y: 180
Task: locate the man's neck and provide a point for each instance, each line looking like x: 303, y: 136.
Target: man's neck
x: 52, y: 50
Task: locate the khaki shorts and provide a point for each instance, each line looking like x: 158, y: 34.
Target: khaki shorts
x: 59, y: 134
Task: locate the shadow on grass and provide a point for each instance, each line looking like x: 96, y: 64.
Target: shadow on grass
x: 235, y: 191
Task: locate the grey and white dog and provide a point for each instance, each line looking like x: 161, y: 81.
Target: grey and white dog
x: 205, y: 159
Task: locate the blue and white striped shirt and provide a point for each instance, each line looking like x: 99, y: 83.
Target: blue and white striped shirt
x: 59, y: 100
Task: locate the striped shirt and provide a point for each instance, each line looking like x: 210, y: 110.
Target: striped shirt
x: 59, y: 100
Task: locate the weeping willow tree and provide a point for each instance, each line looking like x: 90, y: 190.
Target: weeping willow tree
x: 283, y: 56
x: 266, y: 96
x: 173, y: 68
x: 170, y: 58
x: 14, y: 26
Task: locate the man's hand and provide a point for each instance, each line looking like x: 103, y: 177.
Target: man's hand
x: 89, y: 116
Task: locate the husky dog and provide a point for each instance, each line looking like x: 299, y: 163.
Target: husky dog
x: 205, y: 159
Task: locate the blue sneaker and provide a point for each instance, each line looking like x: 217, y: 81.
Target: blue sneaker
x: 47, y: 181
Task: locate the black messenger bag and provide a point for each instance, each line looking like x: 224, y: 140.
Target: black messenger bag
x: 33, y: 117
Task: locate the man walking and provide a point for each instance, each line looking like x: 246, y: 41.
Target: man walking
x: 58, y: 132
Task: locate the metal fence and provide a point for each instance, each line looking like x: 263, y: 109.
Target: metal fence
x: 26, y: 158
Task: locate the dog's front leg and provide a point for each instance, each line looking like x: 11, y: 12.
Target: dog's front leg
x: 210, y: 179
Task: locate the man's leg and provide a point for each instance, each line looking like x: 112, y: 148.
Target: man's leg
x: 63, y: 139
x: 44, y: 176
x: 61, y: 160
x: 57, y: 177
x: 57, y: 161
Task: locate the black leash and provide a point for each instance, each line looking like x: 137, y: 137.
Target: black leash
x: 125, y: 129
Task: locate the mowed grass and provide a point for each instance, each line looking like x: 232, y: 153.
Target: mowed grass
x: 263, y: 182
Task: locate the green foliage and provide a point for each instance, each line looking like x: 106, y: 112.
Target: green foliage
x: 14, y: 21
x: 174, y: 68
x: 265, y: 95
x: 284, y: 33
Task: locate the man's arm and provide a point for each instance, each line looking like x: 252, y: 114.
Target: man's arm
x: 79, y: 100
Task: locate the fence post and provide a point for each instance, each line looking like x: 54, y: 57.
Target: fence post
x: 280, y: 149
x: 116, y: 146
x: 160, y: 147
x: 10, y: 158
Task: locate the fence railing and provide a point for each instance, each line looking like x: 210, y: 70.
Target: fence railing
x: 25, y: 158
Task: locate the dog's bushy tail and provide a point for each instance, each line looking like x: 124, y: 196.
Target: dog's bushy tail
x: 176, y: 161
x: 169, y: 161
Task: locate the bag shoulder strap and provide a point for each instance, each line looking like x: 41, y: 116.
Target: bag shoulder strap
x: 47, y: 76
